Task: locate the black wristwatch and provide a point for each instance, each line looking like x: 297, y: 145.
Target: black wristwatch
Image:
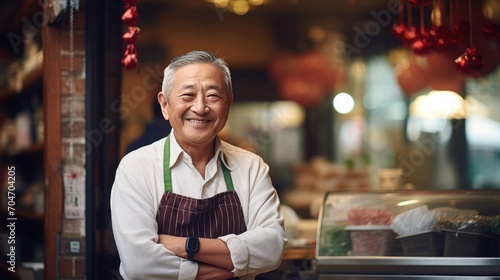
x: 192, y: 246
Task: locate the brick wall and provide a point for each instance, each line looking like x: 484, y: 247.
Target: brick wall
x: 72, y: 240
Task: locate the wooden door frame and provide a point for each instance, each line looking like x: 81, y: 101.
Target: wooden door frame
x: 52, y: 147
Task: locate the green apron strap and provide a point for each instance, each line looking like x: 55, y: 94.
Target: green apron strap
x: 227, y: 177
x: 167, y: 175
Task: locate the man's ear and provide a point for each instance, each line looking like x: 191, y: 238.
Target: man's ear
x: 162, y: 99
x: 231, y: 98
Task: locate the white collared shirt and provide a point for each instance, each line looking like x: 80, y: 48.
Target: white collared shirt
x: 137, y: 192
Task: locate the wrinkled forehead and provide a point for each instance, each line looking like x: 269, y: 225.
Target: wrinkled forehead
x: 193, y: 74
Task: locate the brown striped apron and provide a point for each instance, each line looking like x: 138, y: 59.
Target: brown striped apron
x: 211, y: 217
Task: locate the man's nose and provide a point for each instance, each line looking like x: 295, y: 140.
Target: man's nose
x: 200, y: 105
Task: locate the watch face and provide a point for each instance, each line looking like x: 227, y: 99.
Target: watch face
x: 192, y: 243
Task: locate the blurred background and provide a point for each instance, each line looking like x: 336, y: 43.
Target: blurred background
x: 327, y: 92
x: 335, y: 95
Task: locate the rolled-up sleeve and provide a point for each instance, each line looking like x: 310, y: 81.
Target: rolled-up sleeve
x: 261, y: 247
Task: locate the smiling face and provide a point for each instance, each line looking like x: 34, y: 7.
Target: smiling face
x: 198, y: 106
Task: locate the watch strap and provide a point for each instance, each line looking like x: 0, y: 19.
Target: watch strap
x: 190, y: 249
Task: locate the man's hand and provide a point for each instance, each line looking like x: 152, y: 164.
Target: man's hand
x: 210, y: 272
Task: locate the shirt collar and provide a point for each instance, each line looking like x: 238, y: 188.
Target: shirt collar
x: 176, y: 151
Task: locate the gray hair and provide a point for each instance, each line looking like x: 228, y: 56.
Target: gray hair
x: 192, y: 58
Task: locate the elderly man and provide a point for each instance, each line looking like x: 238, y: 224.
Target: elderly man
x: 191, y: 206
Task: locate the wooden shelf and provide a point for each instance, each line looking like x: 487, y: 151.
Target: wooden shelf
x: 31, y: 81
x: 32, y: 150
x: 27, y: 97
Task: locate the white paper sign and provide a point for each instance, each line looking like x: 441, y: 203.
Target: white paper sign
x: 74, y: 192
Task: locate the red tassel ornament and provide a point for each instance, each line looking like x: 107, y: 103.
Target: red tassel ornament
x: 130, y: 18
x: 130, y: 60
x: 470, y: 63
x: 132, y: 35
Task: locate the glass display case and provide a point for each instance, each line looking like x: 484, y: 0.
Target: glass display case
x: 409, y: 234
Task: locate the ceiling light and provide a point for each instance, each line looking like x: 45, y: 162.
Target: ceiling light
x: 239, y: 7
x: 343, y: 103
x: 221, y: 3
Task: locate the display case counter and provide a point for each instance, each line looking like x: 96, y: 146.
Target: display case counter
x: 430, y: 234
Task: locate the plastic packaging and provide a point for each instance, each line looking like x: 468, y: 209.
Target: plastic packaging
x: 414, y: 221
x: 471, y: 224
x: 452, y: 213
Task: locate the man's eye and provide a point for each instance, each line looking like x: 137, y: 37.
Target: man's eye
x: 213, y: 96
x: 187, y: 95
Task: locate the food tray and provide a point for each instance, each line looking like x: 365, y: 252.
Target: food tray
x: 466, y: 244
x: 425, y: 244
x: 371, y: 240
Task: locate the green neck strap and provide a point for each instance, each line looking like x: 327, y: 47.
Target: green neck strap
x: 167, y: 175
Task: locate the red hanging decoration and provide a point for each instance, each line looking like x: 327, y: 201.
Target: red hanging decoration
x: 130, y: 18
x: 398, y: 29
x: 470, y: 63
x: 130, y: 57
x: 441, y: 34
x: 424, y: 43
x: 132, y: 35
x: 410, y: 34
x: 460, y: 31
